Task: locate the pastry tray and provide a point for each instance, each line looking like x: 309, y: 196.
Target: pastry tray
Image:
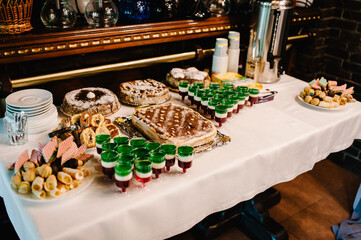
x: 125, y: 125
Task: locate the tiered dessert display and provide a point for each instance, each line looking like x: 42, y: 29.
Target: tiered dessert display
x: 141, y: 92
x: 38, y: 106
x: 51, y: 170
x: 326, y: 94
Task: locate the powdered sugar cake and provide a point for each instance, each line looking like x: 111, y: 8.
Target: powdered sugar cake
x: 171, y: 123
x: 92, y: 99
x: 191, y: 75
x: 141, y: 92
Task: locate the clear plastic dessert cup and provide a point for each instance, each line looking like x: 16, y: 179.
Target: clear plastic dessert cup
x: 123, y: 175
x: 253, y: 96
x: 170, y: 151
x: 99, y: 140
x: 198, y: 97
x: 212, y: 107
x: 126, y: 158
x: 125, y: 149
x: 109, y: 146
x: 152, y: 146
x: 214, y: 86
x: 137, y: 142
x: 185, y: 157
x: 143, y: 172
x: 183, y: 89
x: 141, y: 153
x: 121, y: 140
x: 108, y: 161
x: 191, y: 91
x: 158, y: 163
x: 221, y: 112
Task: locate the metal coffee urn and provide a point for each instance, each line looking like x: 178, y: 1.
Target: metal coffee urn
x: 268, y: 36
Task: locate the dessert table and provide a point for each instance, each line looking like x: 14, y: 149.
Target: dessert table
x: 271, y: 142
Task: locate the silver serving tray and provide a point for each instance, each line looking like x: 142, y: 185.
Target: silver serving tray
x: 125, y: 125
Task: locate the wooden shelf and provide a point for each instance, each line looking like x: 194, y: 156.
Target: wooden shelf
x: 33, y: 46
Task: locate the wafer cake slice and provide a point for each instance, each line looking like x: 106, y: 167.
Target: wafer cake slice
x: 24, y: 157
x: 171, y: 123
x: 49, y: 150
x: 64, y: 146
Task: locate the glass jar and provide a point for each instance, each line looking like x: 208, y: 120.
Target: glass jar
x: 101, y: 13
x: 58, y: 14
x: 133, y: 11
x: 218, y: 8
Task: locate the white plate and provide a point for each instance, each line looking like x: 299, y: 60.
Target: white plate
x: 30, y: 109
x: 31, y: 113
x: 71, y: 193
x: 39, y: 119
x: 340, y: 108
x: 28, y: 98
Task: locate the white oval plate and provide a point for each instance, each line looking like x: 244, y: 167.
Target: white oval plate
x: 340, y: 108
x: 71, y: 193
x: 31, y: 113
x: 28, y: 98
x: 28, y: 109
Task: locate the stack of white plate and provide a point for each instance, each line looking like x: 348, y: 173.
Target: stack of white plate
x: 37, y: 104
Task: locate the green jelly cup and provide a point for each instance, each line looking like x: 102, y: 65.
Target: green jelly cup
x: 99, y: 140
x: 221, y: 114
x: 228, y: 86
x: 170, y: 151
x: 242, y: 89
x: 125, y: 149
x: 143, y: 171
x: 253, y: 95
x: 108, y: 161
x: 214, y: 86
x: 137, y: 142
x: 121, y: 140
x: 123, y: 175
x: 126, y: 158
x: 109, y: 146
x: 198, y: 85
x: 141, y: 153
x: 183, y: 89
x: 158, y: 162
x: 152, y: 146
x: 185, y: 157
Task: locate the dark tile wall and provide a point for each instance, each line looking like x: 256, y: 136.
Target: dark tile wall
x: 336, y: 54
x: 336, y: 51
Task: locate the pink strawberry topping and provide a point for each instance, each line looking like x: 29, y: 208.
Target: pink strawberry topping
x: 24, y: 157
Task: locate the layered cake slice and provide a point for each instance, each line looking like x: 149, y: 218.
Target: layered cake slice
x: 171, y: 123
x: 141, y: 92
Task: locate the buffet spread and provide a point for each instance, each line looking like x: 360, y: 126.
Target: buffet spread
x: 147, y: 138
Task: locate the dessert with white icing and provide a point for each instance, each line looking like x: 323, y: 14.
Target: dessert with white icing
x: 141, y: 92
x: 92, y: 99
x: 175, y: 124
x: 191, y: 75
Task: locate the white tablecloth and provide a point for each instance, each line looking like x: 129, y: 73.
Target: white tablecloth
x: 272, y: 142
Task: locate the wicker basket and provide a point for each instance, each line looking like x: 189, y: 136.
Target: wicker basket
x: 15, y: 16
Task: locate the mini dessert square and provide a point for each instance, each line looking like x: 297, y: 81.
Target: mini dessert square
x: 175, y: 124
x: 191, y: 75
x: 92, y: 99
x: 141, y: 92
